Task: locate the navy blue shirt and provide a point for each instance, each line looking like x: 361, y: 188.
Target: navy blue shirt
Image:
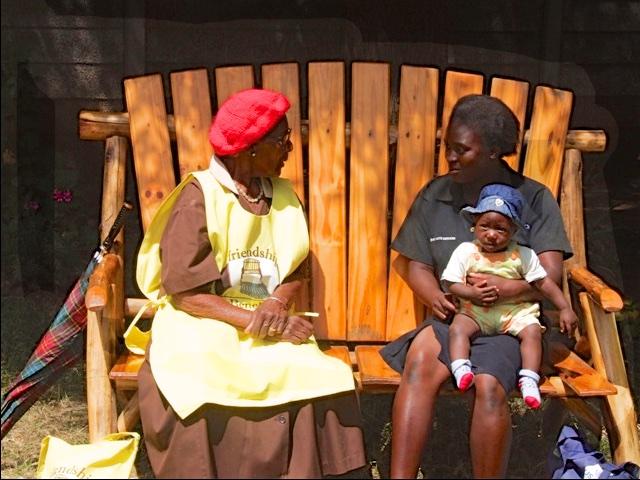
x: 434, y: 227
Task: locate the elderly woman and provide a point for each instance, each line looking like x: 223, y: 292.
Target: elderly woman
x: 481, y: 131
x: 234, y: 384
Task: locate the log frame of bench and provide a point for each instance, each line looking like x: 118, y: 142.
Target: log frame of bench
x: 106, y: 316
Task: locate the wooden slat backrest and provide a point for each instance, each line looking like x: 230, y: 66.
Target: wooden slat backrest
x: 348, y: 288
x: 232, y: 79
x: 514, y: 94
x: 368, y: 197
x: 284, y: 77
x: 327, y: 197
x: 415, y: 165
x: 150, y: 142
x: 192, y: 113
x: 548, y: 131
x: 457, y: 84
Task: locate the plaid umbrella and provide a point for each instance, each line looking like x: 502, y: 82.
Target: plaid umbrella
x: 61, y: 345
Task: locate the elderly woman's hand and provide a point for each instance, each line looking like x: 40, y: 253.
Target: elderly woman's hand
x: 297, y: 330
x: 268, y: 320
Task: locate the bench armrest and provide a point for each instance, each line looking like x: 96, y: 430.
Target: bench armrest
x: 99, y: 290
x: 609, y: 299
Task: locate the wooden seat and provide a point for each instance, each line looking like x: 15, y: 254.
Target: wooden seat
x: 124, y: 372
x: 357, y: 174
x: 376, y: 376
x: 582, y: 380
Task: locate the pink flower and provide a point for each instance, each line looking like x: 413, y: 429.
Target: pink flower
x: 61, y: 196
x: 32, y: 205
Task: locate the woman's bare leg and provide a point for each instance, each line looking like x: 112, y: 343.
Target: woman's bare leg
x: 490, y: 436
x: 414, y: 404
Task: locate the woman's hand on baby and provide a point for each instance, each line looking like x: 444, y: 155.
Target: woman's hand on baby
x: 568, y: 321
x: 504, y: 286
x: 484, y: 294
x: 442, y: 305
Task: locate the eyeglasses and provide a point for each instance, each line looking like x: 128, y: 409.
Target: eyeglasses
x: 283, y: 141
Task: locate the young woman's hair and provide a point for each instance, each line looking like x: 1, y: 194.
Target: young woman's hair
x: 496, y: 124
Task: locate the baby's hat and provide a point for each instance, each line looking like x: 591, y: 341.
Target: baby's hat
x: 501, y: 198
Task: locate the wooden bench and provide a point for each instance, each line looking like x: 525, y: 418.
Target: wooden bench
x: 358, y: 163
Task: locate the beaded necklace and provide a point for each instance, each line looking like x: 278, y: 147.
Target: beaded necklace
x: 243, y: 193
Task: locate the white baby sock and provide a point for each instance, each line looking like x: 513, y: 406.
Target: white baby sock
x: 529, y: 387
x: 461, y: 369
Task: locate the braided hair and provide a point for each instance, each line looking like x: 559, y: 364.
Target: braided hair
x: 494, y: 122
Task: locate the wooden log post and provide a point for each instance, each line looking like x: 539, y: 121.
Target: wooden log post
x: 101, y: 339
x: 130, y: 414
x: 101, y: 401
x: 607, y: 298
x: 105, y: 318
x: 571, y: 206
x: 95, y: 125
x: 585, y: 412
x: 113, y: 196
x: 620, y: 415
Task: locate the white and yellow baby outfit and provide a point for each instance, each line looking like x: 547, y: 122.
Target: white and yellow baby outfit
x: 515, y: 262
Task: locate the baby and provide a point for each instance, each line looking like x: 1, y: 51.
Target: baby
x: 496, y: 219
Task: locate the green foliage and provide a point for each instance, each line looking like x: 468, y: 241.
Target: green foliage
x: 385, y: 436
x: 630, y: 312
x: 519, y: 408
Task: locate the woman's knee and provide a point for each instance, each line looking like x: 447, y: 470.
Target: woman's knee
x: 490, y: 395
x: 422, y: 362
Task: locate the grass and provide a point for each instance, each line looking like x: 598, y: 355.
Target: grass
x: 61, y: 412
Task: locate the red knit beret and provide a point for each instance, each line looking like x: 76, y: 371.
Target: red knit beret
x: 244, y: 118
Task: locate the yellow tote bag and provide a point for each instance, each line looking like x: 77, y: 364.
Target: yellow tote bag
x: 111, y: 457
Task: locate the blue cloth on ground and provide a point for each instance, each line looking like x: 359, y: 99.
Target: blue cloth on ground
x: 574, y: 458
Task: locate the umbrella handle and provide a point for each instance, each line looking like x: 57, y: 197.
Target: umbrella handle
x: 115, y: 228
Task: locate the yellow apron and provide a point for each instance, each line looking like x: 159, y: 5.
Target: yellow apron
x: 200, y: 360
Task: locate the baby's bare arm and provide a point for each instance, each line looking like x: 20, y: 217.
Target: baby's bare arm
x: 551, y: 291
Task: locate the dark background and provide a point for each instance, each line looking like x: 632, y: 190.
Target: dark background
x: 61, y: 56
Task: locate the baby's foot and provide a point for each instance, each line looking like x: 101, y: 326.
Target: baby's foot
x: 529, y: 387
x: 462, y: 372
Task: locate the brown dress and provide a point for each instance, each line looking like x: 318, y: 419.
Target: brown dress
x: 305, y: 439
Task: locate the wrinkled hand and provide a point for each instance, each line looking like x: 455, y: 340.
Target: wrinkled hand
x: 268, y: 320
x: 568, y: 321
x: 442, y: 305
x: 297, y: 330
x: 483, y: 294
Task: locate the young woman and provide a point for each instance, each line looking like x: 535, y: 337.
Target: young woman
x: 481, y: 131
